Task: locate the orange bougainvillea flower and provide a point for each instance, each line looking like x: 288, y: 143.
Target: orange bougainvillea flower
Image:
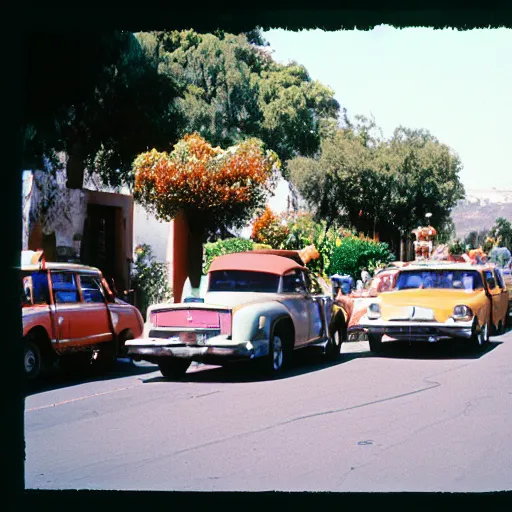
x: 196, y: 177
x: 268, y: 229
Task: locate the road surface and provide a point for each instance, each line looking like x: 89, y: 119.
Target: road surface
x: 421, y: 418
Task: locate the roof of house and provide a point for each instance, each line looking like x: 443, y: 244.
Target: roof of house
x: 254, y: 262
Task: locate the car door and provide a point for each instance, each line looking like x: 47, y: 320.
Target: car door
x: 66, y: 300
x: 497, y: 297
x: 294, y: 291
x: 94, y: 314
x: 319, y: 305
x: 504, y: 299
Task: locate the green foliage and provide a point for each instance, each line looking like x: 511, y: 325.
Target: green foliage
x: 354, y: 253
x: 228, y: 246
x: 376, y: 185
x: 457, y: 248
x: 150, y: 277
x: 475, y: 239
x: 502, y: 231
x: 304, y: 230
x: 106, y: 103
x: 232, y: 89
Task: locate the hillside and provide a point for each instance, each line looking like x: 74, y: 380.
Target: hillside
x: 480, y: 209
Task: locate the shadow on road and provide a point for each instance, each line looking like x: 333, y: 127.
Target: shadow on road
x: 75, y: 374
x: 450, y: 350
x: 304, y: 361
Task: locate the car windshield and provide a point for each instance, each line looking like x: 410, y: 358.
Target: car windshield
x: 447, y: 279
x: 243, y: 281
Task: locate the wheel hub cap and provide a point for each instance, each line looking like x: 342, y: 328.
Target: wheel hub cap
x: 30, y: 361
x: 278, y: 354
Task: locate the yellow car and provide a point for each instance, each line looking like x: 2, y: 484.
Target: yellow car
x: 432, y: 302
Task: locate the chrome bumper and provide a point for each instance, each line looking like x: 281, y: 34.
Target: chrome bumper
x: 200, y: 353
x: 415, y: 331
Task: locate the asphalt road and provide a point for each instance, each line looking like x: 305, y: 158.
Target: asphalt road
x: 427, y: 418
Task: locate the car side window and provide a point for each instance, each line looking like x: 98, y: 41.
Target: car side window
x: 91, y: 289
x: 293, y: 282
x: 65, y: 289
x: 489, y: 278
x: 499, y: 279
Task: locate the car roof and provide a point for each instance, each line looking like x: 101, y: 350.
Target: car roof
x: 444, y: 266
x: 253, y: 261
x: 51, y: 265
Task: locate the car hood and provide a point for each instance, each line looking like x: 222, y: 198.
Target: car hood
x: 396, y: 305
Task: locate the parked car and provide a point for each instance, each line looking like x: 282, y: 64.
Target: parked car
x: 258, y: 306
x: 383, y: 281
x: 432, y: 302
x: 68, y: 308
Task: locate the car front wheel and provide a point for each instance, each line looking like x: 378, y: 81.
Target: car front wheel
x: 375, y: 341
x: 32, y: 360
x: 479, y: 339
x: 173, y: 368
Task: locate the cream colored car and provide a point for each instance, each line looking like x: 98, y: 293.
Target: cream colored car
x: 258, y: 306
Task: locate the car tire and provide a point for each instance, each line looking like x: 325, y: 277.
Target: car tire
x: 334, y: 345
x: 123, y: 337
x: 278, y: 356
x: 375, y: 341
x: 107, y: 355
x: 173, y: 368
x: 32, y: 361
x: 479, y: 339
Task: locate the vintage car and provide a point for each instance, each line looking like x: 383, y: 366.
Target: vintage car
x: 68, y: 308
x: 436, y: 301
x: 383, y: 281
x: 258, y: 306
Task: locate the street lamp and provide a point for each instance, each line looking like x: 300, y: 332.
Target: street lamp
x: 428, y: 215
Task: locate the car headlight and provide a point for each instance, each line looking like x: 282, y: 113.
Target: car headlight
x: 373, y: 311
x: 462, y: 312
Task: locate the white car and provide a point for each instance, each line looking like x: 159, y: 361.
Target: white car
x: 257, y: 306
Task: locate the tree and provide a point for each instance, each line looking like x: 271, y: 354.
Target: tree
x: 232, y: 89
x: 99, y: 99
x: 379, y: 186
x: 211, y: 187
x: 502, y: 230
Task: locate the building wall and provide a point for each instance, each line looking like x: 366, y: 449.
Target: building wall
x: 147, y: 229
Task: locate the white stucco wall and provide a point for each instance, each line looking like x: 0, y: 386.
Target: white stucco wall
x: 158, y: 235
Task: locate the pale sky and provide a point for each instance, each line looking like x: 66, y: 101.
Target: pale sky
x: 455, y: 84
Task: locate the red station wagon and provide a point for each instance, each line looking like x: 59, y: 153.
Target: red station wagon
x: 69, y: 308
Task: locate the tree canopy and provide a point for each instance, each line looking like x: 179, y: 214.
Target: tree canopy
x: 99, y: 98
x: 377, y: 185
x: 231, y: 89
x: 211, y: 186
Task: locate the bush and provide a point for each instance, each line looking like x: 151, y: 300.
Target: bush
x: 150, y: 277
x: 228, y: 246
x: 269, y: 229
x: 304, y: 231
x: 353, y: 253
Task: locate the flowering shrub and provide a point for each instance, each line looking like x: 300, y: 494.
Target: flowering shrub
x: 269, y: 229
x: 211, y: 186
x: 150, y: 278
